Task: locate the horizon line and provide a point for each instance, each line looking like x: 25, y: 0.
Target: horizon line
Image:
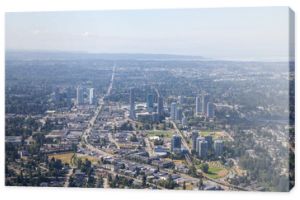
x: 196, y: 57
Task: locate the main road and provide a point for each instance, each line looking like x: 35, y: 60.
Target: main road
x: 92, y: 121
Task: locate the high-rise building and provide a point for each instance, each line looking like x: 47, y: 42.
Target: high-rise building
x: 194, y: 137
x: 209, y: 141
x: 176, y: 143
x: 218, y: 148
x: 69, y: 96
x: 132, y: 104
x: 198, y: 140
x: 205, y: 100
x: 203, y: 149
x: 150, y: 100
x: 79, y: 97
x: 210, y: 110
x: 160, y: 106
x: 178, y: 114
x: 56, y: 96
x: 91, y: 96
x: 180, y: 100
x: 184, y: 121
x: 173, y: 111
x: 198, y: 105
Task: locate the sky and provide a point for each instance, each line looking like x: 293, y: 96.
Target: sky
x: 227, y: 33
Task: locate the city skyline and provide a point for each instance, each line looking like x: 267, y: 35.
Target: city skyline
x: 151, y: 121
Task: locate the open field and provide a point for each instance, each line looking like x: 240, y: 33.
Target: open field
x: 67, y: 157
x: 216, y: 170
x: 64, y: 157
x: 222, y: 135
x: 160, y: 133
x: 189, y: 186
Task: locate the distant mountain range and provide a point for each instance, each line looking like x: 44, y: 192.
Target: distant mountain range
x: 61, y: 55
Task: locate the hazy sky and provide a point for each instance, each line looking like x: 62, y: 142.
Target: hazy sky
x: 239, y: 33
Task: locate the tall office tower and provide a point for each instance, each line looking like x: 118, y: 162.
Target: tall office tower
x: 184, y: 121
x: 180, y: 100
x: 205, y: 100
x: 91, y: 96
x: 176, y: 143
x: 69, y: 96
x: 209, y: 141
x: 56, y: 96
x: 194, y: 137
x: 178, y: 114
x: 218, y: 148
x: 173, y: 111
x: 198, y: 140
x: 79, y: 97
x: 160, y: 106
x: 150, y: 101
x: 210, y: 110
x: 203, y: 149
x: 198, y: 105
x: 132, y: 104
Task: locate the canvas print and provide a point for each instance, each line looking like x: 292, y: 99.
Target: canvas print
x: 178, y: 99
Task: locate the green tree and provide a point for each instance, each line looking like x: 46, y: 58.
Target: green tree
x: 204, y: 167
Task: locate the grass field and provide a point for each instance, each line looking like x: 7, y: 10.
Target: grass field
x: 167, y: 134
x: 216, y: 170
x: 64, y: 157
x: 189, y: 186
x: 67, y: 157
x: 206, y: 133
x: 215, y: 134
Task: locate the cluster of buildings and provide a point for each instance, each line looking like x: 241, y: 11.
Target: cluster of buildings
x: 61, y: 141
x: 151, y: 114
x: 66, y: 128
x: 176, y: 144
x: 80, y: 100
x: 153, y: 174
x: 205, y: 106
x: 83, y: 95
x: 176, y: 112
x: 204, y: 146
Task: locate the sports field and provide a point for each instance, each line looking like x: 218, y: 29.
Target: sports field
x: 216, y: 170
